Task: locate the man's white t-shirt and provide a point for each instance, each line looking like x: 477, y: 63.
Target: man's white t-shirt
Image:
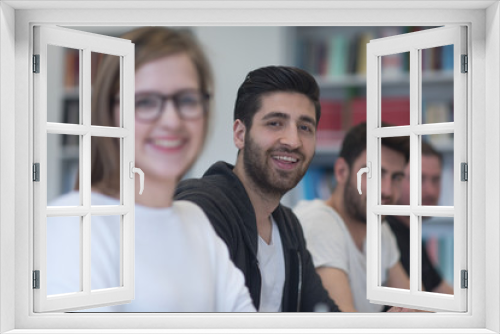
x: 272, y: 271
x: 331, y: 245
x: 181, y: 265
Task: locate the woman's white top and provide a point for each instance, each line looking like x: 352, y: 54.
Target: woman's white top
x: 181, y: 265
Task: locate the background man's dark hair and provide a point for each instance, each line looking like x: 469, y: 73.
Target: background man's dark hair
x: 272, y: 79
x: 429, y: 150
x: 355, y: 143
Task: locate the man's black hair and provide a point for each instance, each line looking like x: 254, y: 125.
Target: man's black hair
x: 273, y: 79
x: 355, y: 143
x: 429, y: 150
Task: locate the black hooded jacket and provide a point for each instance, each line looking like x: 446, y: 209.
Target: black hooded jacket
x: 224, y: 200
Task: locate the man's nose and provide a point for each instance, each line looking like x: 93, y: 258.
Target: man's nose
x: 291, y: 138
x: 386, y: 186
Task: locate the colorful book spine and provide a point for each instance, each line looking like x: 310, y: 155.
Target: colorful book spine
x: 337, y: 56
x: 361, y: 55
x: 447, y: 58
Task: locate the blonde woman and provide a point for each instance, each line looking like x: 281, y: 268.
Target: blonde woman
x: 181, y: 264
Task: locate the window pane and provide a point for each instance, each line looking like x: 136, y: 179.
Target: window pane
x: 437, y: 251
x: 393, y: 161
x: 63, y: 82
x: 106, y: 245
x: 63, y: 156
x: 395, y: 88
x: 437, y: 170
x: 437, y: 84
x: 63, y: 255
x: 389, y: 252
x: 106, y: 171
x: 105, y: 93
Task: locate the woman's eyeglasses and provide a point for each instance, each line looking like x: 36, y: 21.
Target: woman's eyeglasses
x: 189, y: 104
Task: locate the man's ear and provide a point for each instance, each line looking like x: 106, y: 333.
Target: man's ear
x: 239, y: 131
x: 341, y: 168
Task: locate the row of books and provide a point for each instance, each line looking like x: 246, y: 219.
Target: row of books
x: 342, y: 55
x: 336, y: 57
x: 339, y: 116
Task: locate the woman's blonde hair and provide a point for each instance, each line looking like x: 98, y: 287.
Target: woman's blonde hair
x: 151, y: 43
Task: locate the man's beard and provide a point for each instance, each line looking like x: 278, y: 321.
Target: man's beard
x: 268, y: 180
x: 353, y: 202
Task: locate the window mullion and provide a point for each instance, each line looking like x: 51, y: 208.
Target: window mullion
x: 415, y: 118
x: 85, y: 160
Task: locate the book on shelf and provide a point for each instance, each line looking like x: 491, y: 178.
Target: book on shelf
x: 447, y: 58
x: 329, y: 131
x: 338, y: 53
x: 363, y: 40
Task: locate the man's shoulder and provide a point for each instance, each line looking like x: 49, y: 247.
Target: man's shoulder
x: 318, y: 211
x: 386, y: 232
x: 70, y: 198
x: 214, y: 184
x: 320, y: 222
x: 220, y: 195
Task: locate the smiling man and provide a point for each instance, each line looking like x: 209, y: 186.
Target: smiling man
x: 275, y: 117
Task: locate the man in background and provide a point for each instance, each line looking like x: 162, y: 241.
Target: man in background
x: 432, y: 164
x: 335, y: 229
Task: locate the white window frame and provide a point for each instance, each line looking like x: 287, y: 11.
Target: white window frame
x: 86, y: 43
x: 413, y: 43
x: 484, y: 104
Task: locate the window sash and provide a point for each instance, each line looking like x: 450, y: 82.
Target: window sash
x: 412, y: 43
x: 478, y: 322
x: 86, y: 43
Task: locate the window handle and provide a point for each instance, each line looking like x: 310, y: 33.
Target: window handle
x: 367, y: 170
x: 133, y: 170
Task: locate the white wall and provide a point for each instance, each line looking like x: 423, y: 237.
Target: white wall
x: 7, y: 160
x: 492, y: 164
x: 233, y: 52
